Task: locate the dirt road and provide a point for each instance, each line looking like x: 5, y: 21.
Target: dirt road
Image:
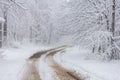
x: 32, y: 71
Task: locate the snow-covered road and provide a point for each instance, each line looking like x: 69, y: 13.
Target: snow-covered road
x: 59, y: 63
x: 32, y: 71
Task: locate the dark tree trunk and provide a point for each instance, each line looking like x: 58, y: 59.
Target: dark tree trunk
x: 113, y: 54
x: 113, y: 19
x: 5, y: 28
x: 0, y: 34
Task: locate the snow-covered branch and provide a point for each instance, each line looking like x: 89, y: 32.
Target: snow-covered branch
x: 116, y: 37
x: 18, y: 4
x: 5, y: 3
x: 117, y: 46
x: 2, y: 19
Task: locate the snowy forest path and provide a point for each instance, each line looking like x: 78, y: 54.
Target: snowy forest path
x: 32, y: 72
x: 60, y: 72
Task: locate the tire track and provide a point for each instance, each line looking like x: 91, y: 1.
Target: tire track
x: 60, y: 72
x: 32, y: 70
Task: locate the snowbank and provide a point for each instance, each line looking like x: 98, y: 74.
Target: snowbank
x: 14, y: 61
x: 91, y: 69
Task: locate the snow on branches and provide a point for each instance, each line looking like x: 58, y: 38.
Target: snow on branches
x: 2, y: 19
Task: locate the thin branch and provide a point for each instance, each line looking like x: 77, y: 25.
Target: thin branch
x: 5, y: 3
x: 117, y: 46
x: 18, y: 4
x: 117, y: 37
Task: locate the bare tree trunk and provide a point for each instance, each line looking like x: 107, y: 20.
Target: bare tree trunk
x: 113, y: 19
x: 5, y: 28
x: 50, y: 34
x: 113, y: 29
x: 1, y: 34
x: 31, y: 35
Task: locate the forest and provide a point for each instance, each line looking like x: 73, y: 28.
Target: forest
x: 93, y: 26
x: 90, y: 23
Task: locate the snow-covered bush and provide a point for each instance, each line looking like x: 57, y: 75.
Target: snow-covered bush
x: 100, y: 43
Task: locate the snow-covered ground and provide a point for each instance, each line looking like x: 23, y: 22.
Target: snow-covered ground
x: 13, y: 61
x: 45, y: 70
x: 80, y: 60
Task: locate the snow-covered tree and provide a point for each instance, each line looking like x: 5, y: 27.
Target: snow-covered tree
x: 92, y: 23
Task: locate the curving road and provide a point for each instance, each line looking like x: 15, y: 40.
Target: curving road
x: 60, y: 73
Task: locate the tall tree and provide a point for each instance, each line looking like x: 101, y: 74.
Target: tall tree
x: 6, y: 5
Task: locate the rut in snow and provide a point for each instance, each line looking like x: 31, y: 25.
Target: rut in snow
x: 60, y: 72
x: 32, y: 70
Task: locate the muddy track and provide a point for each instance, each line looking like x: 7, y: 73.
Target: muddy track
x: 60, y: 72
x: 32, y: 70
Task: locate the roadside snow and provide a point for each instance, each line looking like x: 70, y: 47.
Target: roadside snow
x: 77, y: 59
x: 13, y: 64
x: 13, y: 61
